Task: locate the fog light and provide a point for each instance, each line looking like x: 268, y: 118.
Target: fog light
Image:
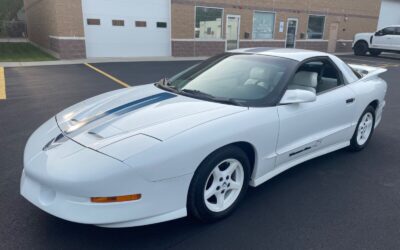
x: 131, y: 197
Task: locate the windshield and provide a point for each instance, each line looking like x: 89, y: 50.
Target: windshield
x: 241, y: 79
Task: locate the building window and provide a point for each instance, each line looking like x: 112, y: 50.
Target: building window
x: 92, y: 21
x: 263, y: 25
x: 118, y: 22
x: 140, y: 24
x: 208, y: 23
x: 315, y: 27
x: 161, y: 25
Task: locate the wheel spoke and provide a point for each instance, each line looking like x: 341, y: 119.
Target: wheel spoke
x: 220, y: 199
x: 210, y: 192
x: 232, y: 167
x: 235, y: 185
x: 217, y: 173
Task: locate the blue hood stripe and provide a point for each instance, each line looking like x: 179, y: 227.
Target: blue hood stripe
x: 128, y: 107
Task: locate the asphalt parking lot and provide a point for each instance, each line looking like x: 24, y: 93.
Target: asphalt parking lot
x: 341, y: 200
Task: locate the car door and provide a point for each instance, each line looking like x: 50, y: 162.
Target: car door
x: 384, y: 39
x: 324, y: 124
x: 396, y: 40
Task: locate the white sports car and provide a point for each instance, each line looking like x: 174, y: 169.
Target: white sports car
x: 192, y: 144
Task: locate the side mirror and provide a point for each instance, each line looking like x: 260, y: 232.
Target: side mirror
x: 379, y: 33
x: 292, y: 96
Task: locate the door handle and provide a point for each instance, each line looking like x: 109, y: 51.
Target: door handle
x: 351, y: 100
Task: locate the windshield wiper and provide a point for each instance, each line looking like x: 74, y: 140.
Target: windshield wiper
x: 198, y: 93
x: 165, y: 84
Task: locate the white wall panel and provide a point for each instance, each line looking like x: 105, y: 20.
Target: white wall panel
x: 390, y: 13
x: 106, y: 40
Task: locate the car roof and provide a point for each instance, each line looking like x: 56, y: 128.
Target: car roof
x: 294, y: 54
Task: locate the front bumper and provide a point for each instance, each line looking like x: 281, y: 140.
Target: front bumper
x: 61, y: 181
x: 152, y: 208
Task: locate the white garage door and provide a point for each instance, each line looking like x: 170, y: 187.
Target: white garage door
x: 127, y: 28
x: 389, y: 14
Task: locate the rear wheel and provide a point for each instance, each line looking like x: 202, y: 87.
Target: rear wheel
x: 219, y: 184
x: 361, y: 48
x: 375, y: 52
x: 364, y: 130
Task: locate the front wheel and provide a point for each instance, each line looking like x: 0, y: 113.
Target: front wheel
x: 361, y: 48
x: 219, y: 184
x: 364, y: 130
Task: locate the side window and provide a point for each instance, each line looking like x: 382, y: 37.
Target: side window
x: 318, y: 76
x: 389, y: 31
x: 329, y: 78
x: 398, y: 31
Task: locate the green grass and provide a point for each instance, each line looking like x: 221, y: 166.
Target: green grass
x: 22, y: 52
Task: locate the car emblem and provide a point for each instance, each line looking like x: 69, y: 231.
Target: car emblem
x: 58, y: 140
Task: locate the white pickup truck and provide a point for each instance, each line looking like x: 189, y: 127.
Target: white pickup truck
x: 384, y: 40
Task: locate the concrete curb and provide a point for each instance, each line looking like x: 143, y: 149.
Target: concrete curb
x: 13, y: 40
x: 100, y: 60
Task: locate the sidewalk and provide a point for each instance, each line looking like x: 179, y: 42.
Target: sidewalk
x: 100, y: 60
x: 13, y: 40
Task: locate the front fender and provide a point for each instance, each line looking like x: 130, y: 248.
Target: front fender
x: 182, y: 154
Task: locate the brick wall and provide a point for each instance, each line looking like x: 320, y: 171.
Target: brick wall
x: 197, y: 48
x: 344, y: 46
x: 47, y: 19
x: 68, y: 48
x: 312, y: 45
x: 352, y: 16
x: 265, y: 43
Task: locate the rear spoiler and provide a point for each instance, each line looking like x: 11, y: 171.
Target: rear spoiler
x: 367, y: 72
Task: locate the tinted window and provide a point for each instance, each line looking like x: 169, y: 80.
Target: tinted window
x: 93, y: 21
x: 118, y: 22
x: 252, y: 80
x: 389, y: 31
x: 161, y: 25
x: 140, y: 24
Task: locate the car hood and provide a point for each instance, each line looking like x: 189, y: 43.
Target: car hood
x: 146, y: 110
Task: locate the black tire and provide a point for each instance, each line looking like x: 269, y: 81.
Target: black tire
x: 196, y: 204
x: 354, y: 144
x: 375, y: 52
x: 360, y: 48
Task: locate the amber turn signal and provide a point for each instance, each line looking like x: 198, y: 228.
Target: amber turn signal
x: 131, y: 197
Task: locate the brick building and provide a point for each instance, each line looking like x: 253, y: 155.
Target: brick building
x: 118, y: 28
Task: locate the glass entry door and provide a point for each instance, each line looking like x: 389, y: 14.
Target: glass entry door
x: 232, y: 32
x: 291, y: 32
